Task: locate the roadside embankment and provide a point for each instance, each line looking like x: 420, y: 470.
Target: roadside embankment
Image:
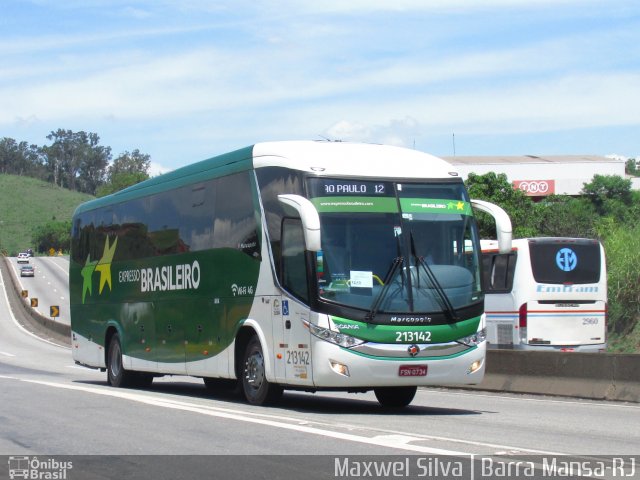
x: 31, y: 320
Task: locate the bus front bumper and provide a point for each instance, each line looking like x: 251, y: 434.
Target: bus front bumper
x: 337, y: 367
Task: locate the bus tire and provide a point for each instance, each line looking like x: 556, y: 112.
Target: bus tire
x: 255, y: 386
x: 117, y: 376
x: 395, y: 397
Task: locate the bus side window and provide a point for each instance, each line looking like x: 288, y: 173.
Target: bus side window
x: 294, y: 267
x: 497, y: 271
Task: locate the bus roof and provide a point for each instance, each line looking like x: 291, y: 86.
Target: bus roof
x: 319, y: 157
x: 352, y: 159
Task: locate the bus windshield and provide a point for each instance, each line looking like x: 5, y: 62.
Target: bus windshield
x: 392, y: 247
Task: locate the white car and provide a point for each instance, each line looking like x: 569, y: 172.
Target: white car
x: 23, y: 257
x: 27, y: 271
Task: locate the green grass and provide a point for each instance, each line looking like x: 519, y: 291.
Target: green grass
x: 626, y: 343
x: 26, y: 203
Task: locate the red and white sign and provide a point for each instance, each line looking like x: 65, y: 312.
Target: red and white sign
x: 536, y: 188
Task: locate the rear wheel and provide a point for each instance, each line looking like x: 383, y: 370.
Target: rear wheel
x: 395, y: 397
x: 255, y: 386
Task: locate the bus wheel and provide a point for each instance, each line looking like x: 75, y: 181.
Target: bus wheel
x: 395, y: 397
x: 117, y: 376
x: 255, y: 386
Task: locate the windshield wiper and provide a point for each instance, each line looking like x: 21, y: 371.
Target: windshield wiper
x: 445, y: 303
x: 397, y: 262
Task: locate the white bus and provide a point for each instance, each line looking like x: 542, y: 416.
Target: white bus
x: 285, y: 265
x: 546, y: 294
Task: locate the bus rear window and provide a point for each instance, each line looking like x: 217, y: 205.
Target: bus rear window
x: 575, y: 262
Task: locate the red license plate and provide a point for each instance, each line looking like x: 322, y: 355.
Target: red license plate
x: 413, y: 371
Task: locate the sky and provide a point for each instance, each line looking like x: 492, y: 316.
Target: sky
x: 184, y: 80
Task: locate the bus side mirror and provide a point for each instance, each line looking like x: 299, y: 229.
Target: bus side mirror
x: 503, y: 223
x: 310, y: 219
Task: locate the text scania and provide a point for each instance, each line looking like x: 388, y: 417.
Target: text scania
x: 167, y: 278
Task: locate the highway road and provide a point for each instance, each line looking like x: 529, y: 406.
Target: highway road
x: 49, y: 406
x: 49, y: 285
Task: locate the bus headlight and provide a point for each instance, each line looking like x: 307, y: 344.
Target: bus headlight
x: 475, y: 339
x: 337, y: 338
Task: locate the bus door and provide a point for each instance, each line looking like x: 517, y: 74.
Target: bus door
x: 290, y: 318
x: 296, y: 349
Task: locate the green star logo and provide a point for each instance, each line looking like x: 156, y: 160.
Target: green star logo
x: 87, y: 273
x: 103, y: 266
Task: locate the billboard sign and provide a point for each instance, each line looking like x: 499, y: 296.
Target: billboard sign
x: 536, y: 188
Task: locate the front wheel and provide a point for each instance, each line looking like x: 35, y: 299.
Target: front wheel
x: 255, y: 386
x: 395, y: 397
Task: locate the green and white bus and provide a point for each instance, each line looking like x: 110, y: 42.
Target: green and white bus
x: 285, y: 265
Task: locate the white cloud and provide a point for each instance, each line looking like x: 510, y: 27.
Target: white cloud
x: 282, y: 69
x: 156, y: 169
x: 395, y: 132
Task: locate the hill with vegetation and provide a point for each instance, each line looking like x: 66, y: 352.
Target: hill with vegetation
x: 28, y: 203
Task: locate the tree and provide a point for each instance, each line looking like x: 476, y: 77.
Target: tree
x: 54, y: 234
x: 565, y: 216
x: 126, y: 170
x: 611, y: 195
x: 20, y: 158
x: 632, y: 167
x: 76, y: 160
x: 496, y: 188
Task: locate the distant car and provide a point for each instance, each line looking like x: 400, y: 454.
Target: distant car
x: 27, y: 271
x: 23, y: 257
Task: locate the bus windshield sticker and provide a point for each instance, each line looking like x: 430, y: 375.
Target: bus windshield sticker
x: 355, y: 204
x: 361, y: 279
x: 430, y: 205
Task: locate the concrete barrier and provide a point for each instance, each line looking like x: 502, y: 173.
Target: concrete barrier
x: 600, y: 376
x: 27, y: 316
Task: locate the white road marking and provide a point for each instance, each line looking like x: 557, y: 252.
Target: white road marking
x: 387, y: 438
x: 7, y: 354
x: 66, y: 271
x: 388, y: 441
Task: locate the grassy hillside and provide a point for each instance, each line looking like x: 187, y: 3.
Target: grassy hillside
x: 26, y: 203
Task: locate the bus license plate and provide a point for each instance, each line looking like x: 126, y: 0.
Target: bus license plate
x: 413, y: 371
